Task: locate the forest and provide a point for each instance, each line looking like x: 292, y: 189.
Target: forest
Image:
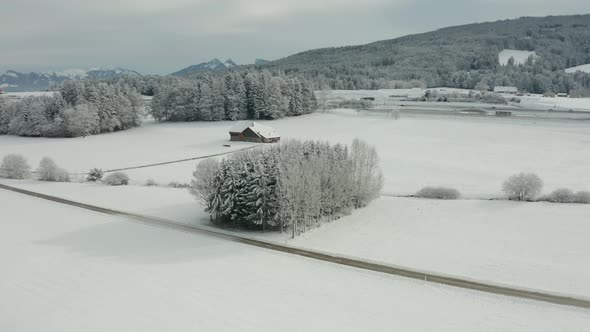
x: 233, y: 96
x: 460, y: 57
x: 292, y: 186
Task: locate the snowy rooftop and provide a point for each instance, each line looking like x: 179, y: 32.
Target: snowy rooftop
x: 256, y: 127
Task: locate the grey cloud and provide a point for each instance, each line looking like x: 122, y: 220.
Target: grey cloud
x: 162, y: 36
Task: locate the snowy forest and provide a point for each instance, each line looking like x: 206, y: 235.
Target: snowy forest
x: 233, y: 96
x: 460, y: 57
x: 292, y: 186
x: 78, y: 108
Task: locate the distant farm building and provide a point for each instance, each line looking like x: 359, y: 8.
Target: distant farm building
x: 506, y: 89
x: 253, y: 132
x: 503, y: 113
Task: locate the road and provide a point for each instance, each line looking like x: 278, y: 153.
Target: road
x: 328, y: 257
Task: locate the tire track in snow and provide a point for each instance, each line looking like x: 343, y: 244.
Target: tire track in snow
x: 179, y: 160
x: 430, y: 277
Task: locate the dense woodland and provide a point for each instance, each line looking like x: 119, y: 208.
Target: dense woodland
x: 461, y: 57
x: 78, y: 108
x: 233, y: 96
x: 294, y: 186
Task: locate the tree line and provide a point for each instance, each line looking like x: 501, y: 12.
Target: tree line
x: 233, y: 96
x: 295, y: 185
x: 78, y: 108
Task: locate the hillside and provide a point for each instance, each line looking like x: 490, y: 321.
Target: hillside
x: 459, y: 56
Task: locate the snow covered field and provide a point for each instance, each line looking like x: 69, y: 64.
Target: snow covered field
x: 66, y: 269
x: 475, y: 155
x: 584, y: 68
x: 520, y: 57
x: 530, y: 245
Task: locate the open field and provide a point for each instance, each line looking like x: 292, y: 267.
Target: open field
x: 475, y: 155
x: 528, y: 245
x: 73, y: 270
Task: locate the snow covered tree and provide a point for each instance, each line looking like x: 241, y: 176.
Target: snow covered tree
x: 15, y: 166
x: 81, y: 120
x: 523, y: 186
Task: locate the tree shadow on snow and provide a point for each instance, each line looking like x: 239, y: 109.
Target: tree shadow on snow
x: 133, y: 242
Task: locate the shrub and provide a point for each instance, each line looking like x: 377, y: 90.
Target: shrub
x: 523, y: 186
x: 151, y: 183
x: 582, y: 197
x: 117, y: 179
x: 94, y: 175
x: 15, y: 166
x: 48, y: 171
x: 438, y: 193
x: 175, y: 184
x: 562, y: 195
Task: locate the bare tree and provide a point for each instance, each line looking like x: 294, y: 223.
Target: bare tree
x: 15, y: 166
x: 323, y: 95
x: 202, y: 186
x: 523, y: 186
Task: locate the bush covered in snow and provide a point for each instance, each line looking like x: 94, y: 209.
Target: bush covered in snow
x: 523, y: 187
x: 151, y: 183
x: 562, y: 195
x: 116, y: 179
x: 15, y: 166
x: 438, y: 193
x: 48, y: 171
x: 178, y: 185
x: 582, y: 197
x: 94, y: 175
x: 294, y: 185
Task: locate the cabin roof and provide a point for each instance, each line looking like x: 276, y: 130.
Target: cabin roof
x: 259, y: 129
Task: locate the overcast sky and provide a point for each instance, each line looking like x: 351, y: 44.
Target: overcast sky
x: 161, y: 36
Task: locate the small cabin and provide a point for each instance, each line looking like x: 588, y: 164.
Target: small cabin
x: 253, y: 132
x: 506, y: 89
x: 503, y: 113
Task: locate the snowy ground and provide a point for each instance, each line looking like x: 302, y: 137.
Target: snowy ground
x: 584, y: 68
x: 66, y: 269
x: 520, y: 57
x: 530, y: 245
x: 475, y: 155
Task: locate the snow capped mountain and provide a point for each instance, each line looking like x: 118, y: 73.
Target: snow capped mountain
x: 230, y: 63
x: 13, y: 81
x: 214, y: 64
x: 111, y: 72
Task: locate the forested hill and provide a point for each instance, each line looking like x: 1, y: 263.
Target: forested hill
x: 459, y: 56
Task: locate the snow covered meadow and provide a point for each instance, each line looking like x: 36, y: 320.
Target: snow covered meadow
x: 474, y: 155
x: 67, y: 269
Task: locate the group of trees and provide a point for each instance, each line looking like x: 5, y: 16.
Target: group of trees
x: 294, y: 185
x: 78, y: 108
x: 233, y: 96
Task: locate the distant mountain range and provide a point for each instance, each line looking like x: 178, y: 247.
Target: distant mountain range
x: 13, y: 81
x: 214, y: 64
